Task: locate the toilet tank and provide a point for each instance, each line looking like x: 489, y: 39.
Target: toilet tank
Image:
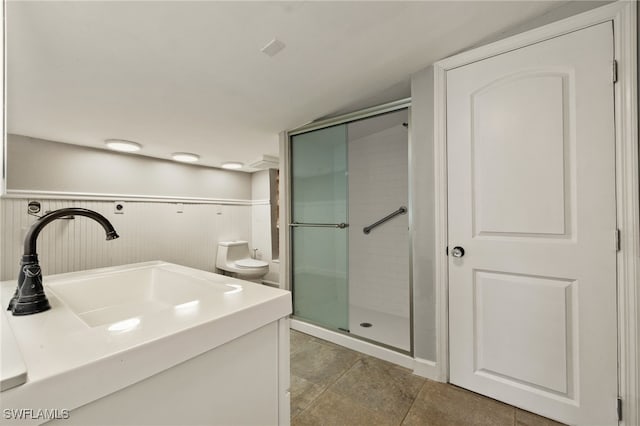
x: 233, y: 250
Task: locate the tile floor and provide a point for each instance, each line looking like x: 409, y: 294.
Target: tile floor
x: 332, y: 385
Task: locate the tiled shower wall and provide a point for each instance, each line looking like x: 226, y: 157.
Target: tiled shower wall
x: 378, y: 185
x: 148, y: 231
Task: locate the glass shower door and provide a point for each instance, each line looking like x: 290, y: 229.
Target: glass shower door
x: 319, y: 227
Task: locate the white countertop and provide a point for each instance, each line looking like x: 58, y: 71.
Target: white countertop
x: 12, y: 369
x: 70, y: 363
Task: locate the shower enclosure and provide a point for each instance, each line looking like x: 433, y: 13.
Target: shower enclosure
x: 349, y: 228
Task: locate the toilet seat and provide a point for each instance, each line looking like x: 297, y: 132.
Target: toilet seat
x: 250, y: 263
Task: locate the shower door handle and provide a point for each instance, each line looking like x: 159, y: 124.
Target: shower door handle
x: 319, y: 225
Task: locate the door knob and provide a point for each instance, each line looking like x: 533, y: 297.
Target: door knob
x: 457, y: 251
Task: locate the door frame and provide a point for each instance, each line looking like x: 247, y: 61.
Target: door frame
x: 623, y: 15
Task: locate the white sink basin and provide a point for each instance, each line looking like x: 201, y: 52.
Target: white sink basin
x: 111, y: 329
x: 118, y: 296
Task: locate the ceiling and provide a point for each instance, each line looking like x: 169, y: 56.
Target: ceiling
x: 190, y: 76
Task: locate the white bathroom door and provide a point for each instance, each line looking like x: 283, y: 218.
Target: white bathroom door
x: 531, y: 201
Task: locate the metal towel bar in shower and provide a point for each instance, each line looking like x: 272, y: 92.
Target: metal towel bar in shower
x: 401, y: 210
x: 319, y: 225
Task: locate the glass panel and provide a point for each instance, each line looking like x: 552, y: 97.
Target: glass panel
x: 319, y: 185
x: 319, y: 170
x: 320, y: 288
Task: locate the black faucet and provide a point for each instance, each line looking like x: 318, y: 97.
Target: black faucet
x: 29, y: 297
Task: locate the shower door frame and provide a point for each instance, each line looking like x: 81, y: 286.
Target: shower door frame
x: 286, y: 252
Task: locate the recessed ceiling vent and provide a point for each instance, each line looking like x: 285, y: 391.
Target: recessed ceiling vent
x: 265, y: 162
x: 273, y: 47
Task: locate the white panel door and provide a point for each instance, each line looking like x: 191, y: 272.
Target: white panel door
x: 531, y: 163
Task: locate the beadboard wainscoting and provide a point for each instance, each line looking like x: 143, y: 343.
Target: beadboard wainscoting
x: 148, y: 231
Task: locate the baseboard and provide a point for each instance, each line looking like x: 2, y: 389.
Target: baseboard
x: 421, y: 367
x: 354, y: 344
x: 427, y: 369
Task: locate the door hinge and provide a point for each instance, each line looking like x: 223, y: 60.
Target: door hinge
x: 618, y: 240
x: 619, y: 409
x: 614, y: 70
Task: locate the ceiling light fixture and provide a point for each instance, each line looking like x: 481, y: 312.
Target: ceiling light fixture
x: 185, y: 157
x: 122, y: 145
x: 232, y: 165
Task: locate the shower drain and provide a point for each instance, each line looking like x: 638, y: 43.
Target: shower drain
x: 366, y: 324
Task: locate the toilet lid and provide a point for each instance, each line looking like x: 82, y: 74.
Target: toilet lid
x: 250, y: 263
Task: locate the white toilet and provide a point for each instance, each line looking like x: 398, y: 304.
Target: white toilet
x: 234, y: 259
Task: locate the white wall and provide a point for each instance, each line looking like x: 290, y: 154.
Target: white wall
x: 378, y: 185
x: 565, y: 10
x: 38, y: 165
x: 423, y: 215
x: 148, y: 230
x: 3, y: 141
x: 261, y: 223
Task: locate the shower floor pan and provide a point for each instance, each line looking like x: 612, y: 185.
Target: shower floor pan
x: 390, y: 330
